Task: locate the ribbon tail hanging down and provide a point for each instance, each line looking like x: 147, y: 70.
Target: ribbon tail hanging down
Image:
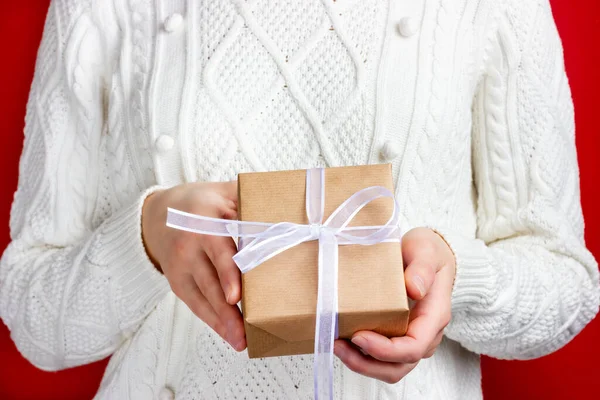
x: 326, y: 316
x: 326, y: 313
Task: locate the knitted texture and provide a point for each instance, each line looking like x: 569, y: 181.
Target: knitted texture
x: 473, y: 111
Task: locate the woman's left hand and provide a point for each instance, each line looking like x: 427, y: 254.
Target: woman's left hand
x: 429, y: 274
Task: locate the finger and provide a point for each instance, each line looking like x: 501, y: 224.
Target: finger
x: 229, y: 190
x: 207, y: 280
x: 410, y: 348
x: 229, y: 212
x: 420, y: 256
x: 418, y: 244
x: 395, y: 350
x: 431, y: 315
x: 187, y: 290
x: 368, y: 366
x: 434, y: 345
x: 419, y: 276
x: 220, y: 250
x: 226, y: 208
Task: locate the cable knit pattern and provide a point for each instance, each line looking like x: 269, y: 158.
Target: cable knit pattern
x: 473, y: 111
x: 526, y: 186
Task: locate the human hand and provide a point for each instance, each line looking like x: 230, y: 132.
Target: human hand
x: 199, y: 268
x: 429, y: 274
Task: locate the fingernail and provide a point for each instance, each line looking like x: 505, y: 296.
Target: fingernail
x: 360, y: 341
x: 418, y: 281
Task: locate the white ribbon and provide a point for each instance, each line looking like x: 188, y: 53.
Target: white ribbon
x: 268, y: 240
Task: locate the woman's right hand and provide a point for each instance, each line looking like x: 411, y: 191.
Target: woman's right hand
x: 199, y: 268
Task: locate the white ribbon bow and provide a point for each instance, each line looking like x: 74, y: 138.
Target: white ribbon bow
x: 268, y: 240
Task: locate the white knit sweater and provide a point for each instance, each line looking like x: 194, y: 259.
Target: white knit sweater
x: 467, y: 98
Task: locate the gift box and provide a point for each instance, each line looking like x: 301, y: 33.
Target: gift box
x: 279, y: 296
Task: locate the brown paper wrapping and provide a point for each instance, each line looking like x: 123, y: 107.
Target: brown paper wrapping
x: 279, y: 297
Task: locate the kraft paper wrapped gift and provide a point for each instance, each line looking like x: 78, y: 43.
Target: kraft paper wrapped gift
x: 279, y: 296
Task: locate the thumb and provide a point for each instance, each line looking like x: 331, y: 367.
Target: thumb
x: 420, y: 262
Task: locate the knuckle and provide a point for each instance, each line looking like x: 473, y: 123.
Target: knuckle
x: 430, y: 353
x: 205, y: 243
x: 421, y: 231
x: 412, y: 234
x: 177, y: 290
x: 424, y: 269
x: 199, y: 200
x: 419, y: 234
x: 438, y: 340
x: 354, y: 365
x: 428, y: 248
x: 196, y: 307
x: 226, y: 208
x: 196, y: 193
x: 445, y: 319
x: 383, y: 353
x: 393, y: 378
x: 180, y: 247
x: 201, y: 282
x: 173, y: 262
x: 228, y: 315
x: 177, y: 286
x: 218, y: 302
x: 414, y: 356
x: 224, y: 260
x: 207, y: 199
x: 212, y: 291
x: 411, y: 359
x: 219, y: 328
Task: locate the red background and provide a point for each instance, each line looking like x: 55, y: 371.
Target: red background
x: 569, y: 373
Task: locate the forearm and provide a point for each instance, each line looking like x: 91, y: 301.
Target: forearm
x: 72, y: 305
x: 523, y: 297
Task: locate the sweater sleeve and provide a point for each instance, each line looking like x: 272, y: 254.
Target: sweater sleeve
x: 526, y: 285
x: 72, y: 286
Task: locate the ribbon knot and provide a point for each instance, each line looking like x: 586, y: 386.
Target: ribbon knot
x: 315, y: 230
x: 269, y: 240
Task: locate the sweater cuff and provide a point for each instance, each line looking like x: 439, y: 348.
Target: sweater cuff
x: 473, y: 283
x: 139, y: 285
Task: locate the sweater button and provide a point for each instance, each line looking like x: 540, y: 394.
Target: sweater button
x: 407, y: 27
x: 166, y: 394
x: 164, y: 143
x: 173, y: 22
x: 390, y: 150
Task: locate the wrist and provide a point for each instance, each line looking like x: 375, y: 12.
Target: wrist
x: 450, y: 257
x: 147, y: 226
x: 473, y: 269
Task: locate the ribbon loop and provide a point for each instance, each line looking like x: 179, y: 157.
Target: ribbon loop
x: 268, y: 240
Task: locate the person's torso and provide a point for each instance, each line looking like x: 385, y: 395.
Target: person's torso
x: 203, y: 91
x: 200, y: 91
